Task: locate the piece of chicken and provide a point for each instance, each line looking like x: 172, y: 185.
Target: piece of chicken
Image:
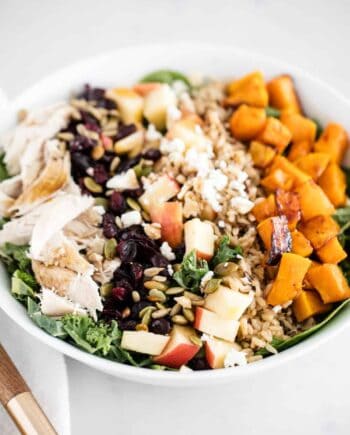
x: 54, y: 305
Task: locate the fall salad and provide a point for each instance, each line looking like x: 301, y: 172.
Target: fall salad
x: 179, y: 223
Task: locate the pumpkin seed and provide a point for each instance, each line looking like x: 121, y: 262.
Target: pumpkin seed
x: 146, y: 318
x: 198, y: 303
x: 106, y: 289
x: 98, y: 152
x: 160, y: 313
x: 146, y: 216
x: 141, y: 327
x: 196, y: 340
x: 179, y: 320
x: 160, y: 306
x: 66, y: 136
x: 99, y: 200
x: 110, y: 249
x: 159, y: 278
x: 152, y: 271
x: 133, y: 204
x: 172, y: 291
x: 175, y: 310
x: 193, y: 296
x: 155, y: 285
x: 156, y: 295
x: 188, y: 314
x: 211, y: 286
x: 143, y: 311
x: 225, y: 269
x: 135, y: 296
x: 176, y: 267
x: 114, y: 164
x: 92, y: 186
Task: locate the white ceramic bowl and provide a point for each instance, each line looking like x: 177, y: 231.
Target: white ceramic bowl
x: 124, y: 67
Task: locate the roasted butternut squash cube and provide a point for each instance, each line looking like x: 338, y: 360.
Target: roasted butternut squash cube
x: 288, y: 205
x: 299, y: 149
x: 265, y: 208
x: 313, y: 201
x: 276, y: 237
x: 262, y: 155
x: 298, y: 176
x: 332, y: 252
x: 277, y: 179
x: 333, y: 183
x: 275, y: 134
x: 282, y: 94
x: 247, y: 122
x: 288, y: 283
x: 319, y: 230
x: 250, y: 89
x: 333, y: 141
x: 308, y: 303
x: 313, y: 164
x: 301, y: 128
x: 329, y: 281
x: 307, y: 284
x: 300, y: 244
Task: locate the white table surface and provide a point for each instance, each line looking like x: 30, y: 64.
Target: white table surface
x: 307, y: 396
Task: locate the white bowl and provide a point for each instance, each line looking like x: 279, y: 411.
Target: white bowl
x: 124, y: 67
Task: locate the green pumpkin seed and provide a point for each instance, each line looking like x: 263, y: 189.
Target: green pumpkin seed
x: 155, y: 285
x: 156, y: 295
x: 196, y: 340
x: 106, y: 289
x: 135, y: 296
x: 160, y: 313
x: 179, y: 320
x: 99, y: 200
x: 133, y: 204
x: 172, y: 291
x: 114, y: 164
x: 141, y: 327
x: 109, y: 249
x: 188, y: 314
x: 92, y: 186
x: 143, y: 311
x: 146, y: 318
x: 153, y: 271
x: 211, y: 286
x: 226, y: 269
x: 175, y: 310
x: 160, y: 306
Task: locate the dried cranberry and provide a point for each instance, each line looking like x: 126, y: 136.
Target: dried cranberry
x: 100, y: 174
x: 120, y: 294
x: 179, y: 253
x: 134, y: 193
x: 90, y: 93
x: 110, y: 310
x: 124, y: 282
x: 126, y: 164
x: 160, y: 326
x: 127, y: 250
x: 159, y: 261
x: 127, y: 325
x: 136, y: 308
x: 81, y: 143
x: 117, y: 203
x: 125, y: 130
x: 110, y: 229
x: 136, y: 270
x: 152, y: 154
x: 90, y: 122
x: 199, y: 364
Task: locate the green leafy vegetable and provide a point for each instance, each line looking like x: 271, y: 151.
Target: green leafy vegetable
x: 165, y: 76
x: 15, y: 257
x: 50, y: 325
x: 342, y: 216
x: 3, y: 221
x: 347, y: 175
x: 27, y: 278
x: 191, y: 272
x: 319, y: 128
x: 281, y: 345
x: 225, y: 253
x: 3, y: 170
x: 19, y: 288
x: 272, y: 111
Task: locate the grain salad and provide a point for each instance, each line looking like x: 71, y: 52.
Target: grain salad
x: 177, y: 224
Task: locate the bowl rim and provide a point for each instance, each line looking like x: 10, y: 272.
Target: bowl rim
x: 170, y: 378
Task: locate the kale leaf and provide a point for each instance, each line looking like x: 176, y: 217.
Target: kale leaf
x: 15, y: 257
x: 225, y: 253
x: 191, y: 272
x: 165, y: 76
x: 3, y: 170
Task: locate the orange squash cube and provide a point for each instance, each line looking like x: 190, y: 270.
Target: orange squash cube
x: 299, y: 149
x: 333, y: 141
x: 307, y: 284
x: 246, y: 122
x: 265, y: 208
x: 319, y: 230
x: 298, y: 176
x: 313, y: 164
x: 275, y: 134
x: 288, y: 283
x: 300, y: 244
x: 329, y: 281
x: 282, y: 94
x: 300, y: 127
x: 288, y: 205
x: 313, y: 201
x: 308, y: 303
x: 250, y: 89
x: 262, y: 155
x: 332, y: 252
x: 333, y: 183
x: 277, y: 179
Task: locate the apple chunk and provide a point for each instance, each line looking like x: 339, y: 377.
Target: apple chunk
x: 144, y: 342
x: 227, y: 303
x: 199, y: 236
x: 169, y: 216
x: 159, y: 192
x: 216, y: 351
x: 180, y: 349
x: 210, y: 323
x: 130, y: 104
x: 157, y: 102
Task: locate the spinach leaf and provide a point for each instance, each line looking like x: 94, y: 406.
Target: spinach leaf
x: 15, y: 257
x: 342, y: 216
x: 191, y: 272
x: 319, y: 128
x: 281, y: 345
x: 3, y: 170
x: 225, y: 253
x: 165, y: 76
x: 50, y: 325
x: 273, y: 112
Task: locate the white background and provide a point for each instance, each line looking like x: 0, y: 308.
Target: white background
x: 308, y: 396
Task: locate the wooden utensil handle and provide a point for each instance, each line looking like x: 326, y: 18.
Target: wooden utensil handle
x: 19, y: 402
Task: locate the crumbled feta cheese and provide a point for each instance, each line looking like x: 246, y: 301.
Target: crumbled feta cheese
x: 222, y: 164
x: 242, y: 205
x: 205, y: 337
x: 207, y: 277
x: 131, y: 218
x: 277, y: 308
x: 167, y: 252
x: 152, y: 134
x: 171, y: 146
x: 99, y: 209
x: 170, y: 270
x: 221, y: 224
x: 124, y: 181
x: 215, y: 182
x: 198, y: 161
x: 235, y: 358
x: 179, y: 87
x: 173, y: 114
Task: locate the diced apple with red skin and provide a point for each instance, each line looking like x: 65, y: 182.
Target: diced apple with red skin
x: 227, y: 303
x: 159, y: 192
x: 210, y: 323
x: 169, y: 216
x: 199, y: 237
x: 130, y: 104
x: 180, y: 349
x: 144, y: 342
x: 157, y: 102
x: 216, y: 351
